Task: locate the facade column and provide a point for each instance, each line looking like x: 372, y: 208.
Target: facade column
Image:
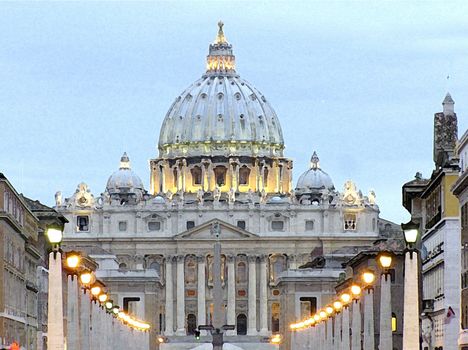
x: 356, y: 326
x: 73, y: 322
x: 180, y: 296
x: 231, y: 297
x: 385, y: 339
x: 263, y: 296
x: 369, y: 337
x: 252, y: 299
x: 345, y: 328
x: 201, y: 297
x: 169, y: 312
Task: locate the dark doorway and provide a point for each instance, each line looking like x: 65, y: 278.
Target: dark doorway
x: 191, y: 324
x: 241, y: 324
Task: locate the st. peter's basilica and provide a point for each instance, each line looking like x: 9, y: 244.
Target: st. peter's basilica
x: 221, y: 161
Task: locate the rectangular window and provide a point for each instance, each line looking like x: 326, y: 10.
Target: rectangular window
x: 241, y: 224
x: 82, y: 223
x: 308, y: 306
x: 277, y: 225
x: 154, y: 226
x: 122, y: 226
x: 130, y: 305
x: 350, y: 222
x: 190, y: 224
x: 309, y: 225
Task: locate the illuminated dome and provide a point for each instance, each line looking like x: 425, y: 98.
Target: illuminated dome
x: 314, y: 178
x: 124, y: 180
x: 221, y: 114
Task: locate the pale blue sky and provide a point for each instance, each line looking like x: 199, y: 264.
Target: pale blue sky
x: 359, y: 82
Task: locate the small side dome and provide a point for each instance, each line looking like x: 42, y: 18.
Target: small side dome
x: 124, y: 181
x: 159, y: 200
x: 275, y: 199
x: 315, y: 178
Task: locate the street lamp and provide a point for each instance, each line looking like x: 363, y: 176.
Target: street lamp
x: 385, y: 260
x: 54, y: 234
x: 411, y: 328
x: 73, y: 260
x: 86, y: 279
x: 355, y: 291
x: 55, y: 338
x: 345, y: 298
x: 102, y: 297
x: 115, y: 310
x: 368, y: 278
x: 411, y: 231
x: 109, y: 304
x: 337, y: 305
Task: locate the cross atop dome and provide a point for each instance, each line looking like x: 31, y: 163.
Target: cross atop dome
x: 220, y: 58
x: 314, y: 161
x: 220, y: 38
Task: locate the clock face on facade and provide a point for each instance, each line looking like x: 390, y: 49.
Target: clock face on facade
x: 82, y: 201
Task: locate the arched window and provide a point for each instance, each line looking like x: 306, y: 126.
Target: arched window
x: 241, y: 324
x: 244, y: 174
x: 394, y: 322
x: 190, y: 270
x: 275, y: 316
x: 191, y: 324
x: 174, y: 172
x: 122, y: 266
x: 210, y: 261
x: 277, y: 265
x: 241, y: 274
x: 220, y: 175
x: 196, y: 175
x: 265, y: 176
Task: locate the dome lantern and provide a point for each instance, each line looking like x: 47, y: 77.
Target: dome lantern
x: 220, y: 59
x: 314, y: 161
x: 124, y: 161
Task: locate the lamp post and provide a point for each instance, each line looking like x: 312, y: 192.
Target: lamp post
x: 385, y: 338
x: 345, y: 299
x: 411, y: 292
x: 329, y: 342
x: 337, y: 305
x: 86, y: 278
x: 55, y: 338
x: 356, y: 321
x: 368, y: 278
x: 72, y: 264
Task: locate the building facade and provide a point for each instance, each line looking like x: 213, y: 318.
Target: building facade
x: 19, y: 258
x: 221, y: 162
x: 432, y: 204
x: 460, y: 189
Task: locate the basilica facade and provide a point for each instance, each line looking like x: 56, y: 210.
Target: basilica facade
x: 221, y: 162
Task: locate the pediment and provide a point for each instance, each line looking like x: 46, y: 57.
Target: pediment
x: 203, y: 231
